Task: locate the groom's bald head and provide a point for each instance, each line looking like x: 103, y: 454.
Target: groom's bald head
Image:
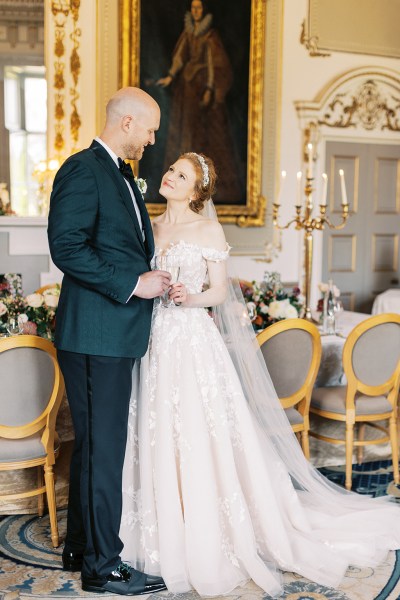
x: 132, y: 118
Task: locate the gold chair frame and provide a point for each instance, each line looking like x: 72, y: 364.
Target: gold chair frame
x: 389, y: 388
x: 46, y: 422
x: 301, y: 399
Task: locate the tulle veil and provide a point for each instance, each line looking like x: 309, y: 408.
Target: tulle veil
x: 233, y: 322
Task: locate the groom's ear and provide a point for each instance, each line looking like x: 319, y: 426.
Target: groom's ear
x: 127, y: 122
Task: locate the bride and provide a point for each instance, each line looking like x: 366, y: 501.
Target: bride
x: 216, y: 488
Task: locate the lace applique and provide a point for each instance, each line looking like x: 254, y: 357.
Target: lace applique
x: 216, y: 255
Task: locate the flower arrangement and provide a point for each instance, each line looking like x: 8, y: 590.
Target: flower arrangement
x: 269, y: 302
x: 35, y: 314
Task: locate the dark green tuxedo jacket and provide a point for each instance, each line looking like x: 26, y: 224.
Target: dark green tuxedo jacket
x: 95, y: 239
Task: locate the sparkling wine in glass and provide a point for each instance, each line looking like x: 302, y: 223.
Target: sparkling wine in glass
x: 169, y: 264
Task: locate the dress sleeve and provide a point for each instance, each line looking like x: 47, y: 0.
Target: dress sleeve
x: 216, y: 255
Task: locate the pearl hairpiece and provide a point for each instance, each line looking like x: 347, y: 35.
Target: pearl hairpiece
x: 204, y: 168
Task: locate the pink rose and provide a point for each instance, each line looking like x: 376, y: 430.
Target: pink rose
x: 29, y: 328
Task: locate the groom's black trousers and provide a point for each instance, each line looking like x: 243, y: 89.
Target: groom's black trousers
x: 98, y: 391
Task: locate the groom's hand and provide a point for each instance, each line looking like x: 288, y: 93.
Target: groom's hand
x: 153, y: 284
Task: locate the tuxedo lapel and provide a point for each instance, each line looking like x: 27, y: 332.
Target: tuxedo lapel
x: 107, y: 163
x: 148, y: 231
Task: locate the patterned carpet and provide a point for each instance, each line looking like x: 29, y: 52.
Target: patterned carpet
x: 30, y: 569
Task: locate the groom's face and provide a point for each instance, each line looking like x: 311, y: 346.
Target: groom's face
x: 141, y: 133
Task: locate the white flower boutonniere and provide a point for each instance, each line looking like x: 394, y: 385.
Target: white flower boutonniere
x: 142, y: 185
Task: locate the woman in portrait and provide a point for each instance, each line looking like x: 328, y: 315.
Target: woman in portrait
x: 200, y: 77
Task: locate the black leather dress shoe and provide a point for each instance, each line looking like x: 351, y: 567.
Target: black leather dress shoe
x: 125, y: 581
x: 72, y: 561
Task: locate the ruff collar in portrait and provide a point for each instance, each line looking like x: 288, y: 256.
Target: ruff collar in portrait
x: 204, y: 25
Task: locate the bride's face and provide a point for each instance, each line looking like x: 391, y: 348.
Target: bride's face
x: 179, y: 181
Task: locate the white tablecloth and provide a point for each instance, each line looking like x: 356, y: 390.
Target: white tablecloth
x: 331, y: 369
x: 387, y: 302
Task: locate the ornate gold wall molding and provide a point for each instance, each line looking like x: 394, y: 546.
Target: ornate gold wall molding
x: 357, y: 26
x: 365, y: 98
x: 75, y: 68
x: 66, y: 15
x: 367, y: 107
x: 60, y: 11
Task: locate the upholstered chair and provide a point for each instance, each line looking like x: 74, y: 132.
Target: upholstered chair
x: 371, y: 363
x: 32, y: 389
x: 292, y: 352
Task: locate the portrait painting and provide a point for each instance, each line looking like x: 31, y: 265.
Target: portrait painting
x: 201, y: 60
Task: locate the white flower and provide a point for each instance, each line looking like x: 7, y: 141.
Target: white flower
x: 323, y: 287
x: 22, y: 319
x: 34, y: 300
x: 142, y: 185
x: 264, y: 310
x: 3, y: 308
x: 301, y: 299
x: 291, y: 312
x: 51, y: 300
x: 276, y: 309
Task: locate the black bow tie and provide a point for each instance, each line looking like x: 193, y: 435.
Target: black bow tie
x: 125, y: 169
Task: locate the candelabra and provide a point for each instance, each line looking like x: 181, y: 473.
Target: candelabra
x: 304, y: 220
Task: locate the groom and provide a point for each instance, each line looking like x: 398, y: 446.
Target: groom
x: 100, y: 237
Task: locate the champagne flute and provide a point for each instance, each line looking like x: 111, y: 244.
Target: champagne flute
x: 338, y: 310
x: 13, y: 326
x: 169, y: 264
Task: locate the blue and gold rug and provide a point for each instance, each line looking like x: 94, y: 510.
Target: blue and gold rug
x: 31, y: 569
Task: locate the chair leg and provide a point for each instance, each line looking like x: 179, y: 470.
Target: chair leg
x: 395, y: 448
x: 41, y: 496
x: 305, y: 444
x: 360, y: 449
x: 349, y: 453
x: 51, y: 503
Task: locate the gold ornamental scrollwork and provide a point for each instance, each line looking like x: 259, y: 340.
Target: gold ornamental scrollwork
x: 75, y: 68
x: 367, y: 107
x: 60, y: 10
x: 253, y: 212
x: 311, y: 42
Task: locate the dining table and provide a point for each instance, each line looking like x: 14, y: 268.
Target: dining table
x: 331, y: 369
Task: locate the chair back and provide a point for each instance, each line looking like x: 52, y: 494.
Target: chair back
x: 292, y: 352
x: 371, y: 355
x: 32, y: 385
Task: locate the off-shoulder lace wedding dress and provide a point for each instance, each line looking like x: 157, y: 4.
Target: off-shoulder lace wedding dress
x: 208, y: 501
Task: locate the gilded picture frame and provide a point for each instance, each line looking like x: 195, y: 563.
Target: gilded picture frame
x: 248, y: 209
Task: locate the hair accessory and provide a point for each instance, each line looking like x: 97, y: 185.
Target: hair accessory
x: 204, y: 167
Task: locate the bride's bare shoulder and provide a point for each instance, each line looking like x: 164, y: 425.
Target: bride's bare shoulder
x: 211, y: 234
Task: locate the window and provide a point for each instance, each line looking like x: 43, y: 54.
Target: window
x: 25, y: 100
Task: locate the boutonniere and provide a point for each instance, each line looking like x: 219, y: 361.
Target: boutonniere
x: 142, y: 185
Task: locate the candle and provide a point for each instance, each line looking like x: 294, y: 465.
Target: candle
x: 324, y: 189
x: 310, y: 160
x: 283, y: 177
x: 299, y: 190
x: 343, y: 186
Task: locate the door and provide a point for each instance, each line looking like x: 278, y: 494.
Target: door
x: 363, y: 257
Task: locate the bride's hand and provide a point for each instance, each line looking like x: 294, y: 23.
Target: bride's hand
x: 178, y: 293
